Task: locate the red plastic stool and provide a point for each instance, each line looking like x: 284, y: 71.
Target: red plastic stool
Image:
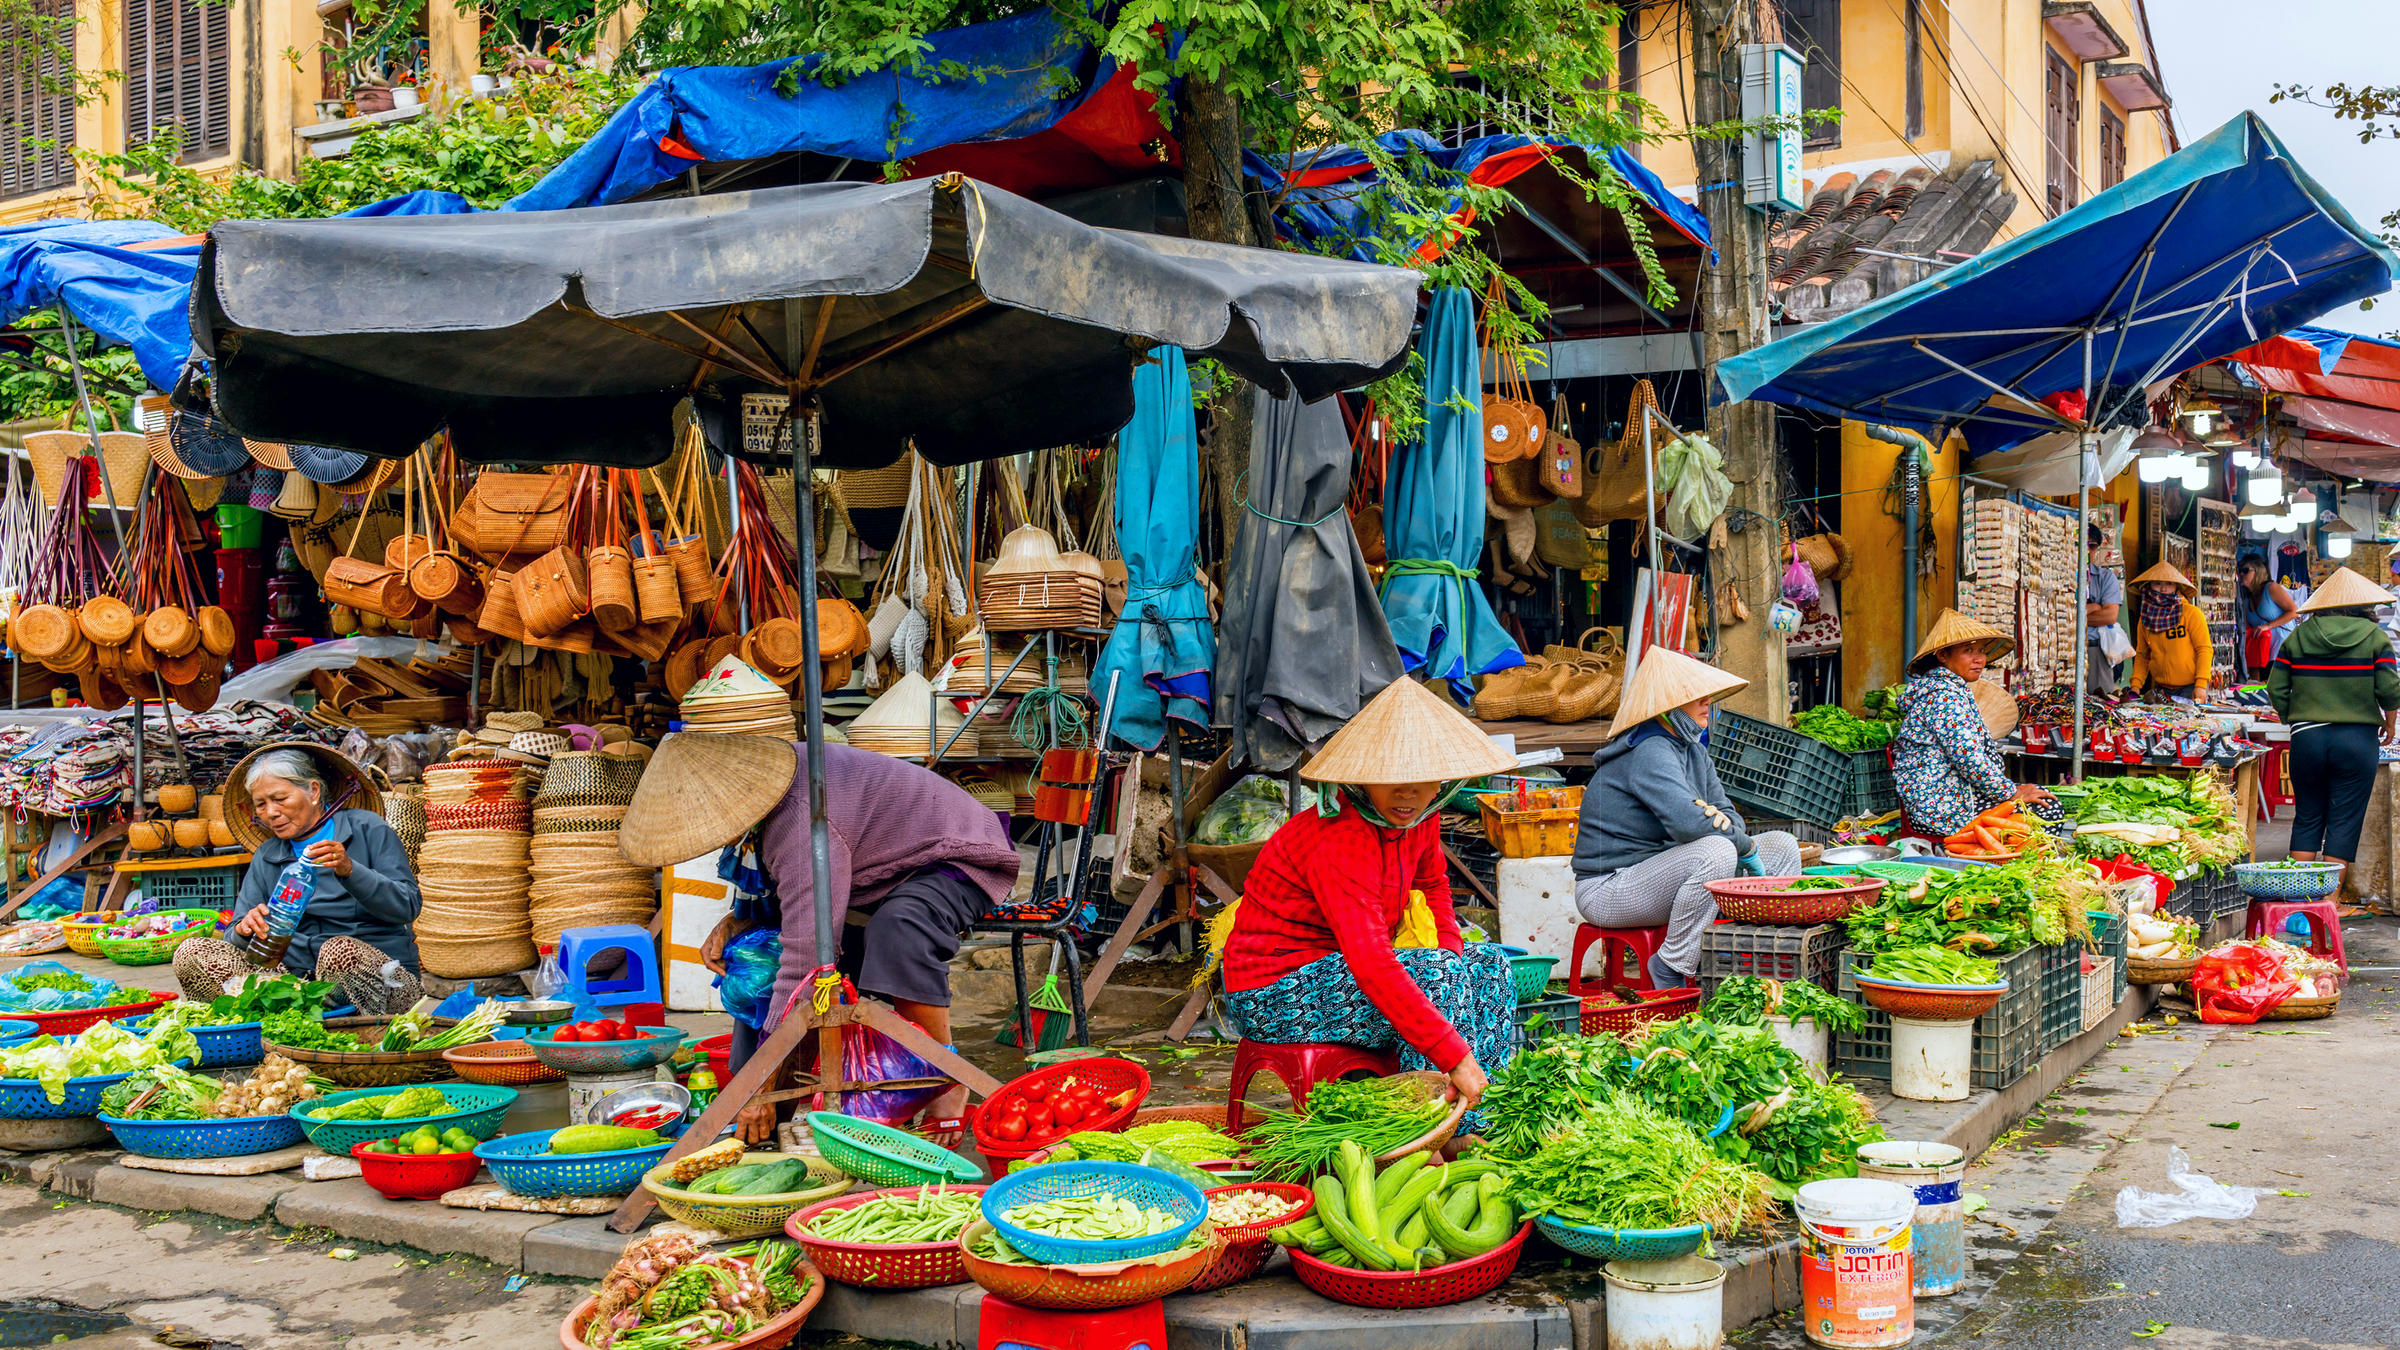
x: 2324, y: 925
x: 1616, y: 944
x: 1013, y: 1326
x: 1301, y: 1065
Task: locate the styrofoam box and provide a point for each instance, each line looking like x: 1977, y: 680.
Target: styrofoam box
x: 1537, y: 906
x: 696, y: 899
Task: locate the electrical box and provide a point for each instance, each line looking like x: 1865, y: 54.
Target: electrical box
x: 1771, y: 159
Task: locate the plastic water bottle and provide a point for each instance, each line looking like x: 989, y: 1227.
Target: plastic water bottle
x: 295, y: 886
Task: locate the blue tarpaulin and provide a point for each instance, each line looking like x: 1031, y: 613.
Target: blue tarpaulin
x: 2206, y: 252
x: 136, y: 298
x: 1163, y: 643
x: 1322, y: 194
x: 1433, y: 516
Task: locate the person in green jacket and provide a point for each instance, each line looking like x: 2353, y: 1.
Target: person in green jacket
x: 2337, y: 685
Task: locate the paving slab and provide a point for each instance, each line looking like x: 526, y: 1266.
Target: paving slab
x: 579, y: 1248
x: 938, y: 1319
x: 354, y: 1210
x: 72, y: 1173
x: 238, y: 1197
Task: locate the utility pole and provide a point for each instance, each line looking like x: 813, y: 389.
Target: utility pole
x: 1210, y: 124
x: 1733, y: 318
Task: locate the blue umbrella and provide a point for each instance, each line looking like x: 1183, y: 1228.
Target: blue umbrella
x: 1433, y: 516
x: 1162, y: 642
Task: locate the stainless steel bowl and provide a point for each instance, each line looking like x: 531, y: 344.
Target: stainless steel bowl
x: 548, y: 1012
x: 1859, y: 853
x: 624, y: 1099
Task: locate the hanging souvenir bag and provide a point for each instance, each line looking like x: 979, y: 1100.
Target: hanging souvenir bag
x: 1561, y: 458
x: 404, y: 548
x: 1615, y: 486
x: 608, y: 563
x: 552, y: 590
x: 1513, y: 425
x: 512, y: 515
x: 655, y: 590
x: 443, y: 578
x: 687, y: 546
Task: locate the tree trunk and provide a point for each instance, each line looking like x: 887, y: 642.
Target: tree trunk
x: 1733, y: 318
x: 1211, y: 127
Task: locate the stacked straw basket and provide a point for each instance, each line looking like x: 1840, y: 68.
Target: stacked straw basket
x: 580, y: 880
x: 472, y: 871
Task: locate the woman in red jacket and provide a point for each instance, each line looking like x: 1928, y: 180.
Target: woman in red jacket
x: 1311, y: 956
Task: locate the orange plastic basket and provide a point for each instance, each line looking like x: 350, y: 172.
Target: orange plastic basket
x: 879, y: 1265
x: 500, y: 1063
x: 1115, y: 1285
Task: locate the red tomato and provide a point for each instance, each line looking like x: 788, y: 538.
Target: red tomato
x: 626, y: 1030
x: 1067, y: 1112
x: 1038, y: 1117
x: 570, y: 1032
x: 1085, y: 1093
x: 1010, y: 1127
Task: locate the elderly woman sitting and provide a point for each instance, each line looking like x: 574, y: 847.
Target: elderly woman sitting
x: 356, y: 931
x: 1945, y: 762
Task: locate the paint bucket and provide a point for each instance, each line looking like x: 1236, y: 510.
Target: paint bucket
x: 1665, y: 1305
x: 1806, y: 1038
x: 584, y: 1091
x: 1937, y: 1252
x: 1854, y: 1266
x: 1930, y: 1060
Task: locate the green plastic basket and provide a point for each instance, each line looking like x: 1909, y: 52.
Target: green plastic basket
x: 157, y: 951
x: 883, y: 1156
x: 474, y: 1107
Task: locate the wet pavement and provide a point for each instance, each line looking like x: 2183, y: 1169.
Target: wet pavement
x: 2303, y: 1111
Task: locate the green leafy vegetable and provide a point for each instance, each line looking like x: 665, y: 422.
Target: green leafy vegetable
x: 1992, y: 911
x: 180, y: 1096
x: 1934, y: 965
x: 1842, y: 730
x: 1630, y: 1165
x: 1546, y: 1091
x: 103, y: 1049
x: 1747, y: 1000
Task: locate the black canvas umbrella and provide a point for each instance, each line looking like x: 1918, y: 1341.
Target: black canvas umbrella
x: 1305, y: 643
x: 942, y: 312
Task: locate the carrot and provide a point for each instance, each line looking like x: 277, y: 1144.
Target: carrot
x: 1985, y: 838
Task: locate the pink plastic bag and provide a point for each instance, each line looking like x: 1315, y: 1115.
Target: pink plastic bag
x: 1800, y: 582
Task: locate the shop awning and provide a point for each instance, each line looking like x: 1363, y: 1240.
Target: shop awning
x: 2200, y: 255
x: 2355, y: 369
x: 128, y: 296
x: 945, y: 312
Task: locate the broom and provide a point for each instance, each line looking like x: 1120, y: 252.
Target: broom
x: 1053, y: 1019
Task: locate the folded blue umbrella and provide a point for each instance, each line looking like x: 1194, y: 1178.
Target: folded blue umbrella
x: 1163, y: 644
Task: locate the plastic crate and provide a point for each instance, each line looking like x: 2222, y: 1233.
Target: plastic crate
x: 1781, y: 772
x: 2104, y: 975
x: 2110, y: 930
x: 1559, y: 1016
x: 2062, y: 994
x: 2008, y: 1039
x: 194, y: 888
x: 1771, y: 951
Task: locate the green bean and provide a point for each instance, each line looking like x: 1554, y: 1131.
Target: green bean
x: 928, y: 1214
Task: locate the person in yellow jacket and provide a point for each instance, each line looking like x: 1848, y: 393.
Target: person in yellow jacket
x: 2170, y: 636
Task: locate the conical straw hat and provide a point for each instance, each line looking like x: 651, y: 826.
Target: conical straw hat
x: 2344, y: 589
x: 1664, y: 681
x: 2166, y: 572
x: 1407, y: 734
x: 701, y: 792
x: 908, y: 706
x: 1998, y: 706
x: 731, y: 680
x: 1953, y: 628
x: 1028, y: 548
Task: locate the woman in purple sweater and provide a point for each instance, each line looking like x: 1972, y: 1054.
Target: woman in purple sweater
x: 912, y: 853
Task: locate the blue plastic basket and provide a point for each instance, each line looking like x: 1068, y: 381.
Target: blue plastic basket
x: 1622, y: 1244
x: 232, y: 1046
x: 474, y: 1107
x: 205, y: 1138
x: 2286, y: 882
x: 587, y: 1058
x: 1145, y: 1187
x: 15, y: 1030
x: 517, y: 1162
x: 23, y: 1099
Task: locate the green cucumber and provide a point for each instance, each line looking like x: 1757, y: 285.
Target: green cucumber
x: 1494, y: 1220
x: 1412, y: 1233
x: 775, y: 1179
x: 1451, y: 1235
x: 601, y: 1139
x: 1396, y: 1176
x: 1329, y: 1205
x: 1358, y: 1190
x: 1410, y: 1197
x: 1459, y: 1206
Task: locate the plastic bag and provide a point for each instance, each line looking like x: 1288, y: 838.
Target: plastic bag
x: 1800, y: 582
x: 2238, y: 983
x: 2201, y: 1198
x: 1245, y: 813
x: 748, y: 985
x: 1692, y: 474
x: 15, y: 997
x: 869, y: 1056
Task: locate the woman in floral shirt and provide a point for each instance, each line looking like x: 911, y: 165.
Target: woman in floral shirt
x: 1945, y: 762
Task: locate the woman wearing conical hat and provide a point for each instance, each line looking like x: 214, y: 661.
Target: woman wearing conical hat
x: 2171, y: 654
x: 2336, y: 685
x: 1311, y: 957
x: 1945, y: 763
x: 1656, y: 827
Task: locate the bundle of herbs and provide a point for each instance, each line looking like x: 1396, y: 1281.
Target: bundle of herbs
x: 1749, y: 1000
x: 1784, y: 1122
x: 1627, y: 1164
x: 1547, y: 1090
x: 1377, y: 1114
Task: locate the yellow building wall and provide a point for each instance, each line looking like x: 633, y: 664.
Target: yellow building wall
x: 1874, y: 653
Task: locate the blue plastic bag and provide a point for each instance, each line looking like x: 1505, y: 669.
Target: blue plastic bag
x: 747, y: 987
x: 14, y: 997
x: 61, y: 897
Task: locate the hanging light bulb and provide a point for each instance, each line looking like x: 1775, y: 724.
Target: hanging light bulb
x: 2156, y: 468
x: 2337, y: 546
x: 2201, y: 413
x: 2244, y: 458
x: 2305, y: 508
x: 2285, y: 525
x: 2196, y: 476
x: 2265, y: 489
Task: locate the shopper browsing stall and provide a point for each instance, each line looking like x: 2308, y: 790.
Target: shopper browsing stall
x: 1311, y: 957
x: 1945, y: 762
x: 2268, y: 613
x: 355, y: 929
x: 1656, y: 827
x: 2336, y: 684
x: 907, y: 844
x: 2171, y: 656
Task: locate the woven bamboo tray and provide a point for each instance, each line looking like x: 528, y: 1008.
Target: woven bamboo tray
x: 2303, y: 1009
x: 2160, y: 972
x: 370, y: 1068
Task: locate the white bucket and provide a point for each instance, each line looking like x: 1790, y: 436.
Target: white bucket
x: 1938, y: 1246
x: 1931, y: 1061
x: 1806, y: 1038
x: 1665, y: 1305
x: 1854, y: 1262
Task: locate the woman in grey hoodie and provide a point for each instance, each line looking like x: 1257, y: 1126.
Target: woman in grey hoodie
x: 1655, y: 827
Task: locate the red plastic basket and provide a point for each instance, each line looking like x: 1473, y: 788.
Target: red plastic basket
x: 719, y: 1052
x: 1110, y: 1075
x: 1453, y: 1283
x: 1756, y: 900
x: 1657, y: 1005
x: 1246, y: 1247
x: 81, y: 1019
x: 879, y: 1265
x: 412, y: 1176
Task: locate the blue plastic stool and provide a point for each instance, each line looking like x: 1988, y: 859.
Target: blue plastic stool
x: 638, y: 992
x: 1003, y: 1325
